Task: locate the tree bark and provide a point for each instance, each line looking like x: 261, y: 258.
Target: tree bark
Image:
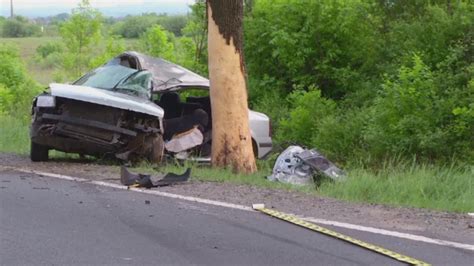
x: 231, y: 139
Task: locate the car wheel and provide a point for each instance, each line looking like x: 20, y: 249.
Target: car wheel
x: 157, y: 149
x: 38, y: 153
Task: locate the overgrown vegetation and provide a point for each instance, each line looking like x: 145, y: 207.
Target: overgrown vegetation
x: 364, y: 81
x: 17, y: 89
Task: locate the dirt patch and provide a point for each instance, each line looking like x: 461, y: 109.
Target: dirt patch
x: 442, y: 225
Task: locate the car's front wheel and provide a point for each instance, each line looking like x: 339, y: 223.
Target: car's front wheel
x: 38, y: 153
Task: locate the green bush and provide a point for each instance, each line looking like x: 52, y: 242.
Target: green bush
x: 413, y: 115
x: 317, y: 122
x: 114, y: 46
x: 341, y: 136
x: 16, y: 88
x: 406, y: 114
x: 19, y: 27
x: 81, y: 34
x: 309, y: 111
x: 44, y: 50
x: 158, y: 42
x: 330, y: 44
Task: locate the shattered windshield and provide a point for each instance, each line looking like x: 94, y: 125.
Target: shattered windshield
x: 119, y: 78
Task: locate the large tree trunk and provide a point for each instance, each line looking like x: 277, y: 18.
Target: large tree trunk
x: 231, y: 139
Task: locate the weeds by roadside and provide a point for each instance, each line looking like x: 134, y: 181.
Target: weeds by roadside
x: 448, y: 188
x: 14, y: 135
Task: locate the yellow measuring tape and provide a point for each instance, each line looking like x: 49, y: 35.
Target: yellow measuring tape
x: 294, y: 220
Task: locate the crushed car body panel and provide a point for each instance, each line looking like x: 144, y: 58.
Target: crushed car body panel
x: 166, y: 75
x: 298, y: 166
x: 106, y: 98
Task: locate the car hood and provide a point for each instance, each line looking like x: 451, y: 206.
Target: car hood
x: 106, y: 98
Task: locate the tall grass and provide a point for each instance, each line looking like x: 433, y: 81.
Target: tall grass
x: 437, y: 187
x: 14, y: 135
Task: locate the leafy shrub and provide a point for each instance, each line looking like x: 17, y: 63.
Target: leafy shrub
x: 267, y: 95
x: 44, y: 50
x: 81, y: 33
x: 309, y: 110
x: 114, y: 46
x: 157, y: 42
x: 412, y: 115
x: 341, y: 136
x: 330, y: 44
x: 16, y: 88
x: 185, y: 52
x: 317, y: 122
x: 19, y: 27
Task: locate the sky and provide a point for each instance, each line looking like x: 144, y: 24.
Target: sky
x: 36, y: 8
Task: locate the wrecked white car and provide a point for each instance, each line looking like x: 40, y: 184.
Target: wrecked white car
x: 133, y: 107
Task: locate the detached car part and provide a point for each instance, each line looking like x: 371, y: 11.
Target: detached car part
x: 128, y: 178
x: 298, y: 166
x: 321, y: 164
x: 290, y: 169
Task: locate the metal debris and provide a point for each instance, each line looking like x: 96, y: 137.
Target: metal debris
x: 130, y: 179
x: 298, y: 166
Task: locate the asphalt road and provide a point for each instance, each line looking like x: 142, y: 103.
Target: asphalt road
x: 45, y: 221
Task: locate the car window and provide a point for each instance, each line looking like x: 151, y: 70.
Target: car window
x: 139, y: 84
x: 119, y: 78
x: 106, y: 77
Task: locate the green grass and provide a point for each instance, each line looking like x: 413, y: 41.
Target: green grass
x: 449, y: 188
x: 14, y: 135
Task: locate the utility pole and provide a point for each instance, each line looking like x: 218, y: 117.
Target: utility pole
x: 11, y: 8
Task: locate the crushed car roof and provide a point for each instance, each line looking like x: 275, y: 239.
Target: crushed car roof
x: 166, y: 75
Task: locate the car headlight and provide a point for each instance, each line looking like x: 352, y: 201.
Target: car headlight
x: 45, y: 101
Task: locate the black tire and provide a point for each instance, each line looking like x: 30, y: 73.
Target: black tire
x: 38, y: 153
